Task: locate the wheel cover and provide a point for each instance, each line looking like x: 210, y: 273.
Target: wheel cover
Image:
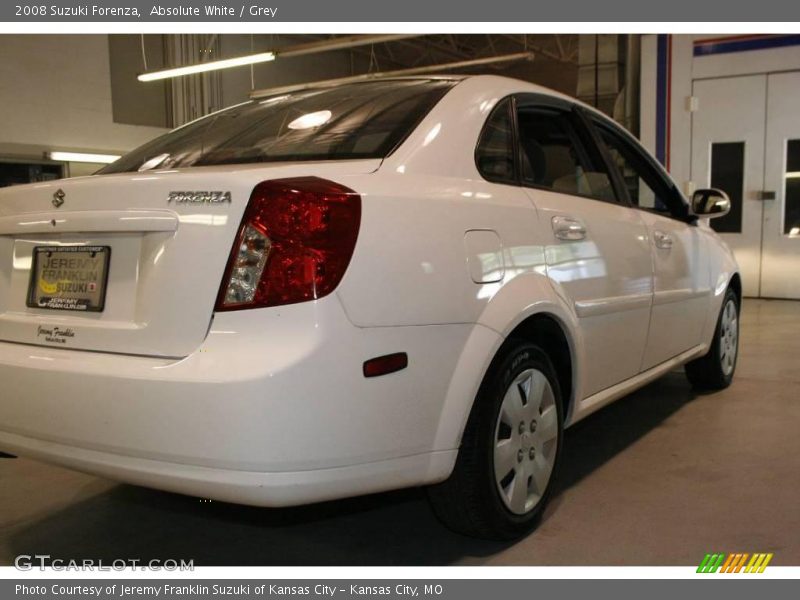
x: 525, y: 441
x: 728, y: 337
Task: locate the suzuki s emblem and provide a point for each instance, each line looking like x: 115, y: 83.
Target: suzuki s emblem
x: 58, y: 198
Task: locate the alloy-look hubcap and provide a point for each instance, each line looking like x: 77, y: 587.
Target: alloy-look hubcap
x: 526, y: 441
x: 729, y: 337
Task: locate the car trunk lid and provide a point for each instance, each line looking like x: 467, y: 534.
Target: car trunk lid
x: 168, y: 235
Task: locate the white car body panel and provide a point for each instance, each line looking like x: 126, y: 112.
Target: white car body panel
x: 607, y: 277
x: 263, y: 414
x: 269, y: 406
x: 682, y: 289
x: 159, y: 302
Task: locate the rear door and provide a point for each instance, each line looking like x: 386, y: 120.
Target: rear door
x: 681, y: 267
x: 597, y: 254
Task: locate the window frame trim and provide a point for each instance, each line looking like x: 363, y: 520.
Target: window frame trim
x: 584, y: 130
x: 617, y: 180
x: 597, y: 123
x: 585, y: 135
x: 512, y: 117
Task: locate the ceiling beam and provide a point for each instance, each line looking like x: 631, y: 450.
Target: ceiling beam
x: 443, y: 67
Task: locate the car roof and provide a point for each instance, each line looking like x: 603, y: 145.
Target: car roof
x: 345, y: 81
x: 520, y: 85
x: 510, y: 85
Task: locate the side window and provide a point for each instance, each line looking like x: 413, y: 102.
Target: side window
x: 554, y: 157
x: 494, y: 155
x: 647, y: 188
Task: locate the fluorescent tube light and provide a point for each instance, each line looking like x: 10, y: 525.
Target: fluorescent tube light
x: 214, y: 65
x: 82, y: 157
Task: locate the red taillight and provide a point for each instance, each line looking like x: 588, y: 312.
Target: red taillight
x: 294, y: 244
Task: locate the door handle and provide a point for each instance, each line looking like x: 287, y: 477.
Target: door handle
x: 569, y: 229
x: 663, y: 240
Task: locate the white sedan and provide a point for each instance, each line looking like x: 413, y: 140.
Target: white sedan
x: 342, y: 290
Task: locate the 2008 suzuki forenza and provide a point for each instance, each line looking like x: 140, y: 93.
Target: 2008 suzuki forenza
x: 340, y: 290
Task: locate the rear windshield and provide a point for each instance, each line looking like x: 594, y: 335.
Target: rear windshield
x: 361, y: 120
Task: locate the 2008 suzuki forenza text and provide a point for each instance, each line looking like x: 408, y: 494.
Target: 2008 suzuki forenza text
x: 341, y: 290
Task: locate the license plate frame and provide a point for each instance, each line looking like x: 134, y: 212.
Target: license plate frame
x: 74, y: 301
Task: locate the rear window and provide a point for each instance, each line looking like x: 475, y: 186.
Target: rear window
x: 356, y: 121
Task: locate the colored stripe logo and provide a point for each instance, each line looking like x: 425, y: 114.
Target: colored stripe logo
x: 738, y: 562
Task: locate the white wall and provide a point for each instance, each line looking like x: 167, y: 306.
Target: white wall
x: 685, y: 68
x: 55, y: 94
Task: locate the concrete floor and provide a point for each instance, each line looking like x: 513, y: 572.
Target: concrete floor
x: 659, y: 478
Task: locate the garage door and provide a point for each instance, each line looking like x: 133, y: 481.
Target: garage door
x: 746, y: 141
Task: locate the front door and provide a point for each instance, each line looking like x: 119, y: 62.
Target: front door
x: 746, y: 141
x: 681, y: 288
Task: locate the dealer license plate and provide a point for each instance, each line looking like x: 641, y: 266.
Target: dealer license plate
x: 69, y: 278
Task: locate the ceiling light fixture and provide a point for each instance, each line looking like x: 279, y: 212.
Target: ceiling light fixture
x: 82, y: 157
x: 338, y: 43
x: 214, y: 65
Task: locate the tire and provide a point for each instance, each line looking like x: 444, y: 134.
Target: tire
x: 505, y: 430
x: 715, y: 370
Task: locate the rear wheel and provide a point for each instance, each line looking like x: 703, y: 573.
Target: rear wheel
x: 715, y: 370
x: 509, y: 452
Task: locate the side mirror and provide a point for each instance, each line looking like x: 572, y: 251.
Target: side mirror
x: 710, y: 203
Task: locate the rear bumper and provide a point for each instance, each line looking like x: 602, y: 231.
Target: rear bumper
x: 271, y: 410
x: 242, y: 487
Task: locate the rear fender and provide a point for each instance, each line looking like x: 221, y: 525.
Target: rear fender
x: 521, y: 298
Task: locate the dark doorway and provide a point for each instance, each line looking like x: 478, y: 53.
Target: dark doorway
x: 15, y: 173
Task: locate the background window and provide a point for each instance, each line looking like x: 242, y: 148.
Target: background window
x: 495, y: 152
x: 791, y: 219
x: 553, y: 156
x: 17, y: 173
x: 727, y: 174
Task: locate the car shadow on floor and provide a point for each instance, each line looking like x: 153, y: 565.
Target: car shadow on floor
x: 394, y: 528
